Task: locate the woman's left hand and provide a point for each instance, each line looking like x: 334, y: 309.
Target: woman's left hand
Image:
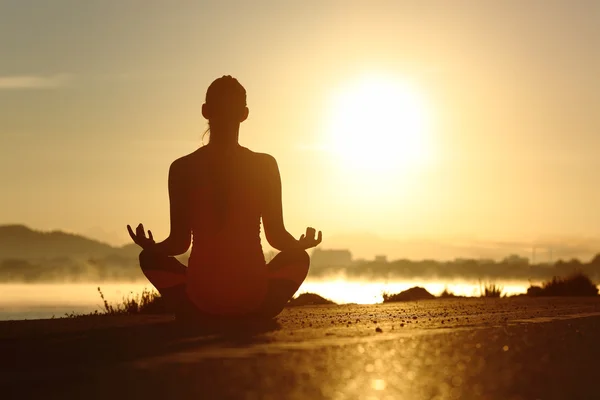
x: 308, y: 240
x: 139, y: 237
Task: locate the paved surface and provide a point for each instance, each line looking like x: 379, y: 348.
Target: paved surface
x: 443, y: 349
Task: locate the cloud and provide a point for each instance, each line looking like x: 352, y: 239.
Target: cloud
x: 17, y: 82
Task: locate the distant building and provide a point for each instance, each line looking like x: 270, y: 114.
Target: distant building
x: 381, y: 259
x: 516, y: 259
x: 463, y: 260
x: 331, y: 258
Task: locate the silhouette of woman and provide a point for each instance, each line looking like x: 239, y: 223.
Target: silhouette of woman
x: 218, y: 195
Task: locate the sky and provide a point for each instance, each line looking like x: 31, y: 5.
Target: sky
x: 491, y: 131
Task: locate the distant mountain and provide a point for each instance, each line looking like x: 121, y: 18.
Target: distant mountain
x: 22, y: 242
x: 27, y: 255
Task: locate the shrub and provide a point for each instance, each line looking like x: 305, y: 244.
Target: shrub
x: 534, y: 291
x: 577, y: 284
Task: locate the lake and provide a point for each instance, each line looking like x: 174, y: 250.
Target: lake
x: 34, y: 301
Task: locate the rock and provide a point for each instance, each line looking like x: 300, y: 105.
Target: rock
x: 308, y: 299
x: 415, y: 293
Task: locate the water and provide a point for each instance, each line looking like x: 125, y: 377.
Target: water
x: 35, y: 301
x: 370, y: 292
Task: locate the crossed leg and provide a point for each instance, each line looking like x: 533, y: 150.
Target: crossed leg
x: 167, y: 275
x: 286, y: 272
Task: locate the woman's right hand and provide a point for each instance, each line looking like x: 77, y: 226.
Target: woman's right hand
x: 308, y: 240
x: 139, y: 237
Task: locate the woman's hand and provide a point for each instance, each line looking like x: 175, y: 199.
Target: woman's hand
x: 308, y: 240
x: 139, y: 237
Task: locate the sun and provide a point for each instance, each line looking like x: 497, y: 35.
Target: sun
x: 379, y: 124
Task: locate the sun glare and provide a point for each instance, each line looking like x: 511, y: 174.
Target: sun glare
x: 379, y: 124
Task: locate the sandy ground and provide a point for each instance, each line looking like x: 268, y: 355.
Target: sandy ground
x: 518, y: 348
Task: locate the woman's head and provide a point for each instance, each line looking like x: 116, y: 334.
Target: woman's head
x: 225, y: 102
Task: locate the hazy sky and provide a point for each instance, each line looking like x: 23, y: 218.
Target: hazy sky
x: 97, y: 98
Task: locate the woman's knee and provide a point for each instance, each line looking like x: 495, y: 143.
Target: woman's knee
x: 300, y: 257
x: 299, y: 262
x: 147, y: 259
x: 304, y: 261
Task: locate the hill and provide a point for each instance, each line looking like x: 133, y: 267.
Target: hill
x: 22, y: 242
x: 27, y: 255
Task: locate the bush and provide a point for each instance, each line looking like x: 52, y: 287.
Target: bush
x: 534, y: 291
x: 577, y: 284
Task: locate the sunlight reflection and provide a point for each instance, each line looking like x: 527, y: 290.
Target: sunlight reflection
x: 364, y: 292
x: 46, y: 300
x: 378, y: 384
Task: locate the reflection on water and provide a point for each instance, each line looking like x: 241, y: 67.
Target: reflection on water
x: 32, y: 301
x: 343, y: 291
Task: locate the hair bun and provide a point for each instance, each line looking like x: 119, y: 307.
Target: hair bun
x: 226, y: 88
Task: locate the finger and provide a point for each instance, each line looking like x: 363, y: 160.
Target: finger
x: 302, y: 237
x: 310, y: 232
x: 133, y: 237
x: 150, y: 234
x: 140, y: 231
x: 319, y: 237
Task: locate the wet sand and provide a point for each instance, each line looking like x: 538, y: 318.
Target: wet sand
x: 519, y: 348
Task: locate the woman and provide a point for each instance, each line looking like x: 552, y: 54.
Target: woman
x: 218, y: 194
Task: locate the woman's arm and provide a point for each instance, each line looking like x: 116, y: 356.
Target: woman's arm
x: 272, y: 216
x: 180, y: 237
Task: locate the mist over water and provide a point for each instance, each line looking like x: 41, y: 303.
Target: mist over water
x: 47, y: 274
x: 47, y: 300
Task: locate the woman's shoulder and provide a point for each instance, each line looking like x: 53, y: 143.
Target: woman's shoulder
x: 192, y: 160
x: 184, y: 160
x: 263, y: 157
x: 187, y: 162
x: 196, y: 155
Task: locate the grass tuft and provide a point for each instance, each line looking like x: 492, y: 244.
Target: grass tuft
x: 447, y: 294
x: 147, y: 302
x: 491, y: 290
